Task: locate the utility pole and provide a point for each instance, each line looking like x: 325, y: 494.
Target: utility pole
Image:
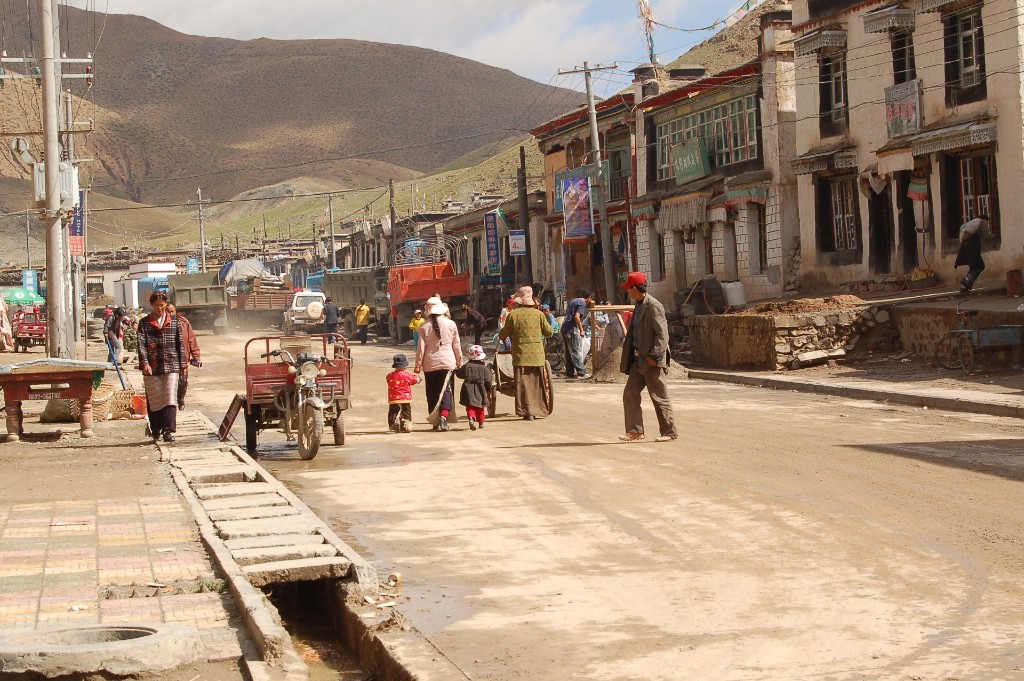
x: 391, y: 206
x: 56, y: 307
x: 601, y: 183
x: 524, y: 210
x: 202, y: 230
x: 75, y: 261
x: 28, y: 241
x: 330, y: 220
x: 316, y: 248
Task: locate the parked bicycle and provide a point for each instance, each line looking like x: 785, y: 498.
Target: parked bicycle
x: 958, y: 348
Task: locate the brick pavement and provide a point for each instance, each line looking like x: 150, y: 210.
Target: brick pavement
x: 109, y: 561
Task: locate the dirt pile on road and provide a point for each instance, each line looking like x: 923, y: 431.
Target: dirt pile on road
x: 803, y: 306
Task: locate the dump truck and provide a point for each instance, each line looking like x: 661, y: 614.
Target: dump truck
x: 346, y: 287
x: 409, y: 286
x: 201, y: 299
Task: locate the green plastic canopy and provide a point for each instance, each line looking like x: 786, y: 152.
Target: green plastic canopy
x: 21, y: 296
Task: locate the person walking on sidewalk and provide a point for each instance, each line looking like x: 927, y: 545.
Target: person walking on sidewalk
x: 438, y: 354
x: 362, y: 320
x: 192, y: 359
x: 331, y: 315
x: 970, y: 251
x: 400, y: 383
x: 573, y: 334
x: 161, y: 358
x: 528, y: 327
x: 476, y: 387
x: 645, y: 360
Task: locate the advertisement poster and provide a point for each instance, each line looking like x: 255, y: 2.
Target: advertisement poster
x: 191, y: 265
x: 577, y: 209
x: 493, y: 244
x: 76, y: 230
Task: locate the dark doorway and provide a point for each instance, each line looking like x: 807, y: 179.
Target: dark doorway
x: 907, y: 223
x: 883, y: 231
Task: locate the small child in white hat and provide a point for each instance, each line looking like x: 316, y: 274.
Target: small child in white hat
x: 476, y: 387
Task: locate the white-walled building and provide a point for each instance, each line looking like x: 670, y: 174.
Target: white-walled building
x: 909, y: 124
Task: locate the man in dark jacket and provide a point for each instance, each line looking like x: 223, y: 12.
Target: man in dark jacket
x: 970, y: 251
x: 330, y: 320
x: 645, y: 360
x: 475, y: 322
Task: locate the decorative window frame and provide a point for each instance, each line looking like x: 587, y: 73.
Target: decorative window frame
x: 820, y: 41
x: 889, y: 19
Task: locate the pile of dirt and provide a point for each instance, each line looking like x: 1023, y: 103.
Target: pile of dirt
x: 609, y: 372
x: 803, y: 306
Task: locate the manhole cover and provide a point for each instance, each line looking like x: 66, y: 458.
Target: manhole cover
x: 117, y: 649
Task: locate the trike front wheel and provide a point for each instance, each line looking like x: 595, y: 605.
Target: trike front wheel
x: 311, y: 431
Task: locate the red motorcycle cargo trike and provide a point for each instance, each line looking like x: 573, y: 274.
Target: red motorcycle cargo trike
x: 291, y: 383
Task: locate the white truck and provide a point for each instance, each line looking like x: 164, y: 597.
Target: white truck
x: 306, y: 313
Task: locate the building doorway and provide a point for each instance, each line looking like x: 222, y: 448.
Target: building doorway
x: 883, y: 231
x: 907, y: 222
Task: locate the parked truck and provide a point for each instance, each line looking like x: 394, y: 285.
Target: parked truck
x: 409, y: 286
x: 200, y: 298
x: 347, y: 287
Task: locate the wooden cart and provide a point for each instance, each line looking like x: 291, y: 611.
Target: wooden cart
x: 503, y: 380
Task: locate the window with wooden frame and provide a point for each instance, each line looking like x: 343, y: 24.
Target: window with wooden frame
x: 965, y: 57
x: 833, y: 106
x: 668, y: 134
x: 729, y: 130
x: 904, y: 64
x: 838, y: 222
x: 970, y: 191
x: 757, y: 237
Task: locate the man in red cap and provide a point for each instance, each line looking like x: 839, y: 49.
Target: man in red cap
x: 645, y: 360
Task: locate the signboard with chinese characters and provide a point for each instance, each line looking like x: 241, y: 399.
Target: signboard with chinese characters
x: 903, y: 108
x: 30, y: 280
x: 493, y: 244
x: 191, y: 265
x: 76, y: 228
x: 578, y: 210
x: 517, y: 242
x: 690, y: 160
x: 583, y: 171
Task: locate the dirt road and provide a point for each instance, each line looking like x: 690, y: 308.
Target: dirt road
x: 783, y: 536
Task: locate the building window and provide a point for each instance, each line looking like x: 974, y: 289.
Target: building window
x: 669, y: 134
x: 965, y: 57
x: 971, y: 188
x: 657, y: 255
x: 476, y: 256
x: 837, y: 218
x: 904, y: 66
x: 832, y: 90
x: 757, y: 237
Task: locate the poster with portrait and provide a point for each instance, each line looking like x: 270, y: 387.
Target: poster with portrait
x: 577, y: 208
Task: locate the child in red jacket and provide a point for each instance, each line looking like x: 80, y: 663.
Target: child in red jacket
x: 400, y: 383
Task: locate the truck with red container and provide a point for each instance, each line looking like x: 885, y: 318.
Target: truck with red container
x: 422, y: 267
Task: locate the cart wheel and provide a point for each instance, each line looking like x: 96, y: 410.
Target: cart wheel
x: 966, y: 351
x: 339, y: 429
x: 310, y: 431
x: 252, y: 421
x: 947, y: 352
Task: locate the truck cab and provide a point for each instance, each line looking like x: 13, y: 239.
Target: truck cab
x: 306, y: 313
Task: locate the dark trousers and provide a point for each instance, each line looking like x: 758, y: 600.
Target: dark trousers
x: 164, y: 420
x: 434, y: 381
x: 330, y: 330
x: 477, y: 334
x: 973, y: 274
x: 401, y: 411
x: 362, y: 329
x: 182, y: 388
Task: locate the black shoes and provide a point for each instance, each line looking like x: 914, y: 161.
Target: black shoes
x: 529, y: 417
x: 168, y: 436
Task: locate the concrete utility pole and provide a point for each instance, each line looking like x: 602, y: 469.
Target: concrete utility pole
x: 28, y: 240
x: 524, y: 210
x: 202, y: 230
x: 330, y: 220
x: 77, y: 285
x: 601, y: 183
x: 391, y: 204
x: 56, y: 306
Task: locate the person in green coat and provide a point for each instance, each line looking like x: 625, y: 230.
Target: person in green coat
x: 528, y: 327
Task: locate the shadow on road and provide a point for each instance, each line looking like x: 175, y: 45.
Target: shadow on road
x: 995, y: 457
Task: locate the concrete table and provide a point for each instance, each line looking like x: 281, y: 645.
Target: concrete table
x: 50, y: 378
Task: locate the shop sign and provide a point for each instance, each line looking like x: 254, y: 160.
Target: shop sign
x: 517, y: 242
x: 493, y: 243
x: 578, y: 212
x: 690, y: 160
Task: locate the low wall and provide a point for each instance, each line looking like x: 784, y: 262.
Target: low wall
x: 796, y: 335
x: 732, y: 342
x: 921, y: 327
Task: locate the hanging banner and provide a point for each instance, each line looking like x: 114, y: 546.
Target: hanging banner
x: 191, y: 265
x: 517, y: 242
x: 493, y: 244
x: 582, y: 171
x: 76, y: 229
x: 577, y: 209
x: 30, y: 280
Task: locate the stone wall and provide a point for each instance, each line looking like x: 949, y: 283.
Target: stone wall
x: 732, y: 342
x: 799, y: 337
x: 921, y: 327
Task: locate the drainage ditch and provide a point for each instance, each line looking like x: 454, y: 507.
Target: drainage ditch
x: 308, y: 613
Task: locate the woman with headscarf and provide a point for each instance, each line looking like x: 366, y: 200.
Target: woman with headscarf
x: 528, y: 327
x: 438, y: 355
x: 161, y: 358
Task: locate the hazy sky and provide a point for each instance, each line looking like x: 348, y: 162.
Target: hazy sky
x: 533, y: 38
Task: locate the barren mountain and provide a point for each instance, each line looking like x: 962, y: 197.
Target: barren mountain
x: 181, y: 111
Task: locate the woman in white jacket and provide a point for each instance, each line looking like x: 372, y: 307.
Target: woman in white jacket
x: 438, y: 353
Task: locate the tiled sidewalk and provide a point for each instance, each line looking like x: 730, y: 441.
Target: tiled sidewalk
x: 108, y: 561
